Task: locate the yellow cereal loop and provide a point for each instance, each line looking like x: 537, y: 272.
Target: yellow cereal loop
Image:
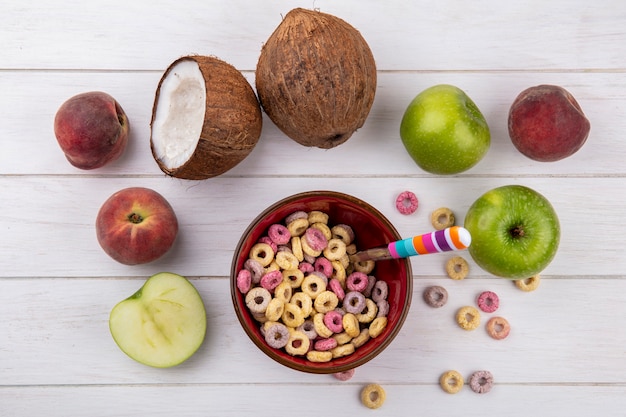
x: 363, y: 337
x: 451, y: 382
x: 313, y: 285
x: 343, y: 232
x: 339, y: 272
x: 296, y: 248
x: 369, y: 312
x: 274, y: 309
x: 325, y: 302
x: 342, y: 338
x: 345, y: 260
x: 377, y: 326
x: 441, y: 218
x: 351, y: 249
x: 287, y: 260
x: 298, y: 343
x: 273, y: 266
x: 468, y: 318
x: 528, y: 284
x: 320, y: 327
x: 292, y: 315
x: 294, y: 277
x: 262, y: 253
x: 283, y: 291
x: 351, y: 324
x: 316, y: 216
x: 319, y: 356
x: 335, y: 250
x: 364, y: 266
x: 303, y: 301
x: 342, y: 350
x: 373, y: 396
x: 298, y: 227
x: 323, y: 227
x: 457, y: 267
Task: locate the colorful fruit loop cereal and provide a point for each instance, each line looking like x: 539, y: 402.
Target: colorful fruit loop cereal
x: 468, y: 318
x: 373, y: 396
x: 406, y: 202
x: 528, y: 284
x: 481, y: 382
x: 451, y: 382
x: 435, y: 296
x: 498, y: 328
x: 307, y: 296
x: 442, y: 218
x: 488, y: 301
x: 457, y: 268
x: 345, y: 375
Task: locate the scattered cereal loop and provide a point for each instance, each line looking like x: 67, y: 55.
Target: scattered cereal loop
x: 451, y: 381
x: 488, y: 301
x: 468, y: 318
x: 481, y: 382
x: 528, y: 284
x: 435, y: 296
x: 498, y: 328
x: 345, y: 375
x: 442, y: 218
x: 457, y: 268
x: 406, y: 202
x: 373, y: 396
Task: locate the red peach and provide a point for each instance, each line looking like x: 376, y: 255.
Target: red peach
x: 92, y: 129
x: 136, y: 225
x: 547, y: 124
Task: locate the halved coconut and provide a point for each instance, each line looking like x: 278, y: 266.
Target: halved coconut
x: 316, y: 78
x: 205, y: 120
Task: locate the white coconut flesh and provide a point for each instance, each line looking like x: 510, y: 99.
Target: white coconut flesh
x: 179, y: 114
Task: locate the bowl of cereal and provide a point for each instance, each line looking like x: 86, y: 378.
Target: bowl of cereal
x: 302, y: 300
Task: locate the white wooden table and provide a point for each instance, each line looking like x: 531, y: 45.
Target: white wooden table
x: 566, y: 355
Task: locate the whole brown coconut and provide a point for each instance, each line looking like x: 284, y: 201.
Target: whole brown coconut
x: 316, y: 78
x: 205, y: 120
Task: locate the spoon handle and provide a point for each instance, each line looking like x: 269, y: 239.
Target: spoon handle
x: 453, y: 238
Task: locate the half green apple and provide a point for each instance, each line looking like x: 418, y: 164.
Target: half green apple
x: 162, y: 324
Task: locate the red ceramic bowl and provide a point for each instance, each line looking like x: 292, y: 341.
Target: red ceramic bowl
x: 371, y: 230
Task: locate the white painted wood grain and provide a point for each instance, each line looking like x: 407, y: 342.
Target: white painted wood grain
x: 237, y: 400
x: 52, y: 220
x: 55, y: 332
x: 601, y: 95
x: 565, y: 355
x: 449, y: 35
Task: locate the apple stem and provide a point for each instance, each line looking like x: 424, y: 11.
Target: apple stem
x: 135, y: 218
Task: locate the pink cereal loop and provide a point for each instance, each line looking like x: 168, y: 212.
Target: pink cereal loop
x: 324, y: 266
x: 315, y: 238
x: 357, y: 281
x: 334, y: 321
x: 325, y: 344
x: 344, y: 375
x: 269, y: 241
x: 244, y: 281
x: 488, y: 301
x: 306, y: 267
x: 406, y: 202
x: 335, y: 286
x: 279, y: 234
x: 271, y: 280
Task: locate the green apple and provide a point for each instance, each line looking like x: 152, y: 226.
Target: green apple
x: 515, y: 231
x: 444, y: 131
x: 162, y: 324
